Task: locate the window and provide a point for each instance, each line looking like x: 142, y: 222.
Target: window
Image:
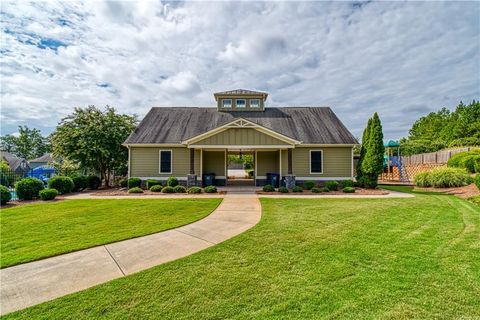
x: 254, y: 103
x: 316, y: 161
x: 165, y: 161
x: 241, y: 103
x: 226, y: 103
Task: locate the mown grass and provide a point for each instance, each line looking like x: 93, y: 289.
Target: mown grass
x: 35, y: 231
x: 310, y: 259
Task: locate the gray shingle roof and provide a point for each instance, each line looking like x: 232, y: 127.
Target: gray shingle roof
x: 47, y: 157
x: 311, y: 125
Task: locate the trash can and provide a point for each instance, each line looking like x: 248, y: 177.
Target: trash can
x: 208, y: 179
x: 273, y: 179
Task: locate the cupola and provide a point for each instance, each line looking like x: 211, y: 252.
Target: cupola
x: 240, y: 100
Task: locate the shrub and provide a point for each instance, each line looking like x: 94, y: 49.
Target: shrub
x: 79, y: 183
x: 210, y: 189
x: 443, y: 178
x: 477, y: 181
x: 297, y: 189
x: 179, y: 189
x: 94, y: 182
x: 368, y: 182
x: 134, y: 183
x: 48, y: 194
x: 123, y: 183
x: 268, y: 188
x: 347, y: 183
x: 348, y: 190
x: 28, y: 188
x: 194, y: 190
x: 5, y: 195
x: 331, y: 185
x: 61, y: 183
x: 316, y: 190
x: 324, y: 189
x: 168, y: 189
x: 156, y: 188
x: 308, y: 185
x: 469, y: 160
x: 152, y: 182
x: 172, y: 182
x: 135, y: 190
x: 283, y: 190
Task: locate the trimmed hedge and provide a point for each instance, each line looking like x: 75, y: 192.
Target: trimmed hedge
x: 347, y: 183
x: 48, y: 194
x: 134, y: 183
x: 156, y: 188
x: 316, y: 190
x: 469, y: 160
x: 268, y: 188
x: 194, y: 190
x: 210, y: 189
x: 79, y: 183
x: 94, y: 182
x: 152, y: 182
x: 5, y: 195
x: 61, y: 183
x: 442, y: 178
x: 135, y: 190
x: 168, y: 189
x: 172, y: 182
x: 348, y: 190
x: 283, y: 190
x: 28, y: 188
x: 331, y: 185
x: 179, y: 189
x: 297, y: 189
x: 308, y: 185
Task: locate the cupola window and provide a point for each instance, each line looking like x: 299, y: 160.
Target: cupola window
x: 254, y: 103
x: 227, y: 103
x: 241, y: 103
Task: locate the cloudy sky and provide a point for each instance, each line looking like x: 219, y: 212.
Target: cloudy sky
x: 400, y: 59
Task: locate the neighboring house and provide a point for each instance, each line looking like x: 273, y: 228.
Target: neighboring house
x: 18, y: 165
x: 43, y: 161
x: 307, y: 143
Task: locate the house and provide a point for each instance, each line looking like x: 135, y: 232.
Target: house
x: 43, y: 161
x: 18, y: 165
x: 297, y: 143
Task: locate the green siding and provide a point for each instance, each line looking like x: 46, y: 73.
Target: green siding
x: 214, y: 162
x: 337, y: 162
x: 240, y: 136
x: 267, y: 161
x: 144, y: 162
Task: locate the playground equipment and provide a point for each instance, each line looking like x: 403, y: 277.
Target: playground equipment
x: 392, y: 162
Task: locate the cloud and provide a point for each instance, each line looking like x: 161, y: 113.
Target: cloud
x: 402, y: 59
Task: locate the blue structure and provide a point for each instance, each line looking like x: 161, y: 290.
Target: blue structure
x: 393, y: 159
x: 43, y: 173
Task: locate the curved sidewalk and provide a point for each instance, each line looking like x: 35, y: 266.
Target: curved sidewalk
x: 39, y: 281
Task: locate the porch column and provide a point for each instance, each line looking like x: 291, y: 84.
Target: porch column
x: 289, y: 178
x: 192, y: 177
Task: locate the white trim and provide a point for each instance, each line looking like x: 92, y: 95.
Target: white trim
x: 323, y: 178
x: 255, y: 169
x: 129, y: 161
x: 242, y: 123
x: 206, y: 146
x: 310, y: 161
x: 262, y: 177
x: 340, y: 145
x: 162, y: 178
x: 280, y: 164
x: 153, y: 145
x: 352, y: 163
x: 160, y: 161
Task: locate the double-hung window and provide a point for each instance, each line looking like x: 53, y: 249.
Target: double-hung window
x: 165, y: 161
x: 316, y: 161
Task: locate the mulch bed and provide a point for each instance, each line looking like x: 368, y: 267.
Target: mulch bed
x: 124, y: 192
x: 358, y: 191
x: 461, y: 192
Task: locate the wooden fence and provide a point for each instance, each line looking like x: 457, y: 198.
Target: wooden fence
x: 411, y: 165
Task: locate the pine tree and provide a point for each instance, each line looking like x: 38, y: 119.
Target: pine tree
x: 363, y: 150
x: 372, y: 165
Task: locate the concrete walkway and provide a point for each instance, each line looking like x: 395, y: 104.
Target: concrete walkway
x: 36, y: 282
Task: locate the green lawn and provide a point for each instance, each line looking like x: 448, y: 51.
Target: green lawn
x: 310, y: 258
x: 35, y: 231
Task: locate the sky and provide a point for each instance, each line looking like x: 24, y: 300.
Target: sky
x: 400, y: 59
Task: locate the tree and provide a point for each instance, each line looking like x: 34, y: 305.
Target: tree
x: 370, y: 164
x: 363, y: 149
x: 93, y: 138
x: 29, y: 144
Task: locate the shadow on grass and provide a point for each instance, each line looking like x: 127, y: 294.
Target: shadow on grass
x: 411, y: 190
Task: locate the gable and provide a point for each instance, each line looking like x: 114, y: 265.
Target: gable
x: 240, y: 137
